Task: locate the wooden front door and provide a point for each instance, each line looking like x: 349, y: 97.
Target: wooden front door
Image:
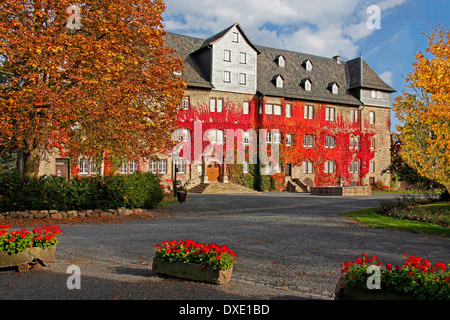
x: 213, y: 171
x: 62, y: 168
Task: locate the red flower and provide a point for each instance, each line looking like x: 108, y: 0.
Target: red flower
x: 11, y: 239
x: 411, y: 274
x: 389, y: 266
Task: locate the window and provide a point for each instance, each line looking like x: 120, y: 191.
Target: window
x: 307, y: 64
x: 226, y: 76
x: 329, y: 142
x: 84, y: 166
x: 162, y: 166
x: 276, y: 137
x: 94, y: 167
x: 226, y: 55
x: 215, y: 105
x: 243, y: 78
x: 243, y: 58
x: 270, y: 169
x: 334, y: 88
x: 180, y: 166
x: 153, y: 166
x: 289, y: 139
x: 281, y: 61
x: 268, y: 137
x: 354, y: 167
x: 354, y: 142
x: 372, y: 166
x: 308, y: 112
x: 246, y: 107
x: 279, y: 82
x: 123, y: 168
x: 308, y: 141
x: 216, y: 136
x: 376, y: 94
x: 329, y: 113
x: 288, y: 111
x: 354, y: 115
x: 308, y: 167
x: 268, y: 109
x: 372, y: 117
x: 308, y: 86
x: 329, y: 167
x: 133, y: 166
x: 277, y: 109
x: 235, y: 37
x: 372, y: 143
x: 186, y: 103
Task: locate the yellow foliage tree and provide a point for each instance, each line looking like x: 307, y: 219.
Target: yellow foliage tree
x: 424, y: 113
x: 86, y: 78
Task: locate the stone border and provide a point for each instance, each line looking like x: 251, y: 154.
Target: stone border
x: 55, y: 214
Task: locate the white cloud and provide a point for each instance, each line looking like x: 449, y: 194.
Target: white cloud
x: 322, y: 27
x: 387, y: 77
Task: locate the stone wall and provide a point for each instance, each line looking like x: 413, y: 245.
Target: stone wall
x: 54, y: 214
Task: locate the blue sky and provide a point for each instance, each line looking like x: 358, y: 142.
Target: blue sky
x: 322, y: 27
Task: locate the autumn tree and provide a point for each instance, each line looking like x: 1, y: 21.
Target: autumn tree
x: 424, y: 111
x: 86, y: 78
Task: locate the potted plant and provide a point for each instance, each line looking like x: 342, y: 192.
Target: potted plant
x: 181, y: 195
x: 194, y: 261
x: 22, y: 248
x: 416, y: 279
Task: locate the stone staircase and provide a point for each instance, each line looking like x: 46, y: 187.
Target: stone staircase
x: 218, y: 187
x: 297, y: 186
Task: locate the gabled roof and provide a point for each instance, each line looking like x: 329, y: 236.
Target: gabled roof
x: 210, y: 41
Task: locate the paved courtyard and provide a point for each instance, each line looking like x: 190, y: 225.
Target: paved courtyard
x: 289, y: 246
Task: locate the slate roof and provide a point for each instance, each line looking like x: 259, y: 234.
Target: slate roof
x: 347, y: 74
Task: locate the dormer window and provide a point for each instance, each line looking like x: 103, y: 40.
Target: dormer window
x: 278, y: 79
x: 280, y: 60
x: 307, y: 64
x: 306, y: 84
x: 333, y: 87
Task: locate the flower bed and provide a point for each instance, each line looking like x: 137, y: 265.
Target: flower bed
x: 417, y: 278
x: 191, y: 260
x: 22, y: 247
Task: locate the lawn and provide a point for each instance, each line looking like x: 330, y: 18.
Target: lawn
x: 370, y: 217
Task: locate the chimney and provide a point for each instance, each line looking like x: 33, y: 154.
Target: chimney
x: 338, y: 59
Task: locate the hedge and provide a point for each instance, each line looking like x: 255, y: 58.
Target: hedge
x: 21, y: 192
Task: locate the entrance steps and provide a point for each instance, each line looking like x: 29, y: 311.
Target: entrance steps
x: 219, y: 187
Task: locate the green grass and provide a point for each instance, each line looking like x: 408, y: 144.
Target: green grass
x: 370, y: 217
x: 167, y: 201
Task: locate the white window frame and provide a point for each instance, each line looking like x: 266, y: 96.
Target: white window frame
x: 219, y: 105
x: 227, y: 55
x: 153, y: 166
x: 268, y: 137
x: 277, y: 109
x: 329, y: 166
x: 133, y: 166
x: 288, y: 139
x: 330, y: 113
x: 243, y: 58
x: 307, y: 85
x: 330, y: 142
x: 288, y: 110
x: 372, y: 166
x: 308, y: 65
x: 246, y: 138
x: 212, y: 105
x: 227, y: 76
x: 185, y: 103
x: 354, y: 115
x: 354, y: 142
x: 235, y: 37
x: 162, y: 166
x: 268, y: 109
x: 279, y: 82
x: 84, y: 166
x: 308, y: 141
x: 246, y: 107
x: 334, y: 88
x: 372, y: 117
x: 308, y: 167
x: 276, y: 137
x: 354, y: 167
x: 245, y: 167
x: 308, y: 112
x: 181, y: 164
x: 243, y: 78
x: 372, y: 143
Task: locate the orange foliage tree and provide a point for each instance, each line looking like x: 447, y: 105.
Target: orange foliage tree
x: 86, y: 78
x: 424, y: 113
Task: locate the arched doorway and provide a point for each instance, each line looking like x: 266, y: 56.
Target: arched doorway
x: 213, y: 171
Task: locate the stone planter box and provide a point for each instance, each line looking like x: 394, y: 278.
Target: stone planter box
x: 191, y: 271
x: 342, y: 191
x: 29, y: 257
x: 344, y: 292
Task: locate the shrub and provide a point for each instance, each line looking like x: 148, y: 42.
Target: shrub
x: 21, y: 192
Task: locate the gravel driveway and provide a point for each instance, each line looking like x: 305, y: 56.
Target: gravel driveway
x: 289, y: 246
